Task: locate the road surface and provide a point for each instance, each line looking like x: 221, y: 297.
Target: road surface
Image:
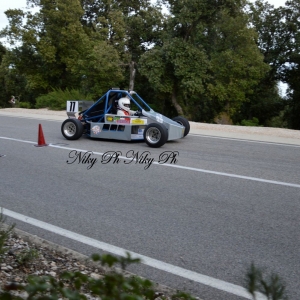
x: 198, y: 210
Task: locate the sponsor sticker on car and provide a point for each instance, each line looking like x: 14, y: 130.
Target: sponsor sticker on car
x: 139, y: 121
x: 96, y: 129
x: 109, y: 119
x: 121, y: 120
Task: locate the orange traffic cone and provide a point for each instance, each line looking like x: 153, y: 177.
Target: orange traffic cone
x: 41, y: 139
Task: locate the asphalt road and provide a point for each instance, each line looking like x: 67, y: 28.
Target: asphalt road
x: 218, y: 206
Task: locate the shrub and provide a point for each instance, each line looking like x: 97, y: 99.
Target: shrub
x: 56, y: 100
x: 5, y: 231
x: 272, y: 286
x: 278, y: 121
x: 253, y: 122
x: 114, y: 285
x: 24, y: 105
x: 26, y: 256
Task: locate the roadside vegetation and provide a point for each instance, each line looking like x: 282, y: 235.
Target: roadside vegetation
x: 56, y: 100
x: 4, y: 234
x: 200, y: 59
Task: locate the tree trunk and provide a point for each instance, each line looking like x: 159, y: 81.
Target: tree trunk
x: 175, y: 103
x: 132, y: 75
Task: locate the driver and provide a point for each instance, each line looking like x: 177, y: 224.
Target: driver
x: 124, y: 107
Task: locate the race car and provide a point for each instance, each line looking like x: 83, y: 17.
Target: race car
x: 102, y: 120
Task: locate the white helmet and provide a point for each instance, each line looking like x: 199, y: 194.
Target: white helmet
x: 124, y: 103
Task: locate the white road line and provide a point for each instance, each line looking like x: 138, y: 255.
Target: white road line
x: 178, y: 166
x: 34, y: 118
x: 16, y: 140
x: 203, y: 279
x: 243, y: 140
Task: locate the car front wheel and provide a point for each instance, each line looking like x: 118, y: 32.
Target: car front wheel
x: 184, y: 122
x: 72, y: 129
x: 155, y: 135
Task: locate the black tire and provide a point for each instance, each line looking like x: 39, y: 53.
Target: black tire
x: 72, y: 129
x: 184, y: 122
x: 155, y: 135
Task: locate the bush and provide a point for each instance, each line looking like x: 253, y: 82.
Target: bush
x: 24, y: 105
x: 26, y: 256
x: 5, y: 231
x: 253, y: 122
x: 278, y: 121
x: 56, y: 100
x: 114, y: 285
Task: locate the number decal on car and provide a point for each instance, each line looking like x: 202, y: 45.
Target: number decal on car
x: 72, y: 106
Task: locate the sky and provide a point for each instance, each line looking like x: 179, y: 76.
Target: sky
x: 5, y: 4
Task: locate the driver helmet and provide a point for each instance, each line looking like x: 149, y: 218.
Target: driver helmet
x: 124, y: 103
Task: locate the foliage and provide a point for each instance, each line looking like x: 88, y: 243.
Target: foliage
x: 291, y: 71
x: 237, y: 65
x: 3, y: 97
x: 292, y: 111
x: 24, y: 105
x: 54, y: 49
x: 99, y: 70
x: 253, y: 122
x: 279, y: 41
x: 56, y: 100
x: 73, y: 285
x: 115, y: 284
x: 265, y: 103
x: 128, y: 26
x: 171, y: 70
x: 5, y: 231
x: 14, y: 83
x: 272, y: 287
x: 202, y: 59
x: 278, y: 121
x: 207, y: 58
x: 26, y: 256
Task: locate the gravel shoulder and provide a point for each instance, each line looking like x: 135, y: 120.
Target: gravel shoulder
x: 51, y: 260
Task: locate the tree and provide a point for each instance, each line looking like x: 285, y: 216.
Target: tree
x: 290, y: 71
x: 56, y: 51
x: 3, y: 98
x: 208, y: 60
x: 173, y: 71
x: 129, y: 26
x: 12, y: 82
x: 237, y: 64
x: 278, y: 41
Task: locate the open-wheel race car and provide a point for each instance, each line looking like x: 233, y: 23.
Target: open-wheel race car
x: 121, y: 115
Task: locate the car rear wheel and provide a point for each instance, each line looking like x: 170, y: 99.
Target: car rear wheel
x: 184, y: 122
x: 72, y: 129
x: 155, y: 135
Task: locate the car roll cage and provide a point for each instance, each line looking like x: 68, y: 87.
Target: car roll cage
x: 108, y: 104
